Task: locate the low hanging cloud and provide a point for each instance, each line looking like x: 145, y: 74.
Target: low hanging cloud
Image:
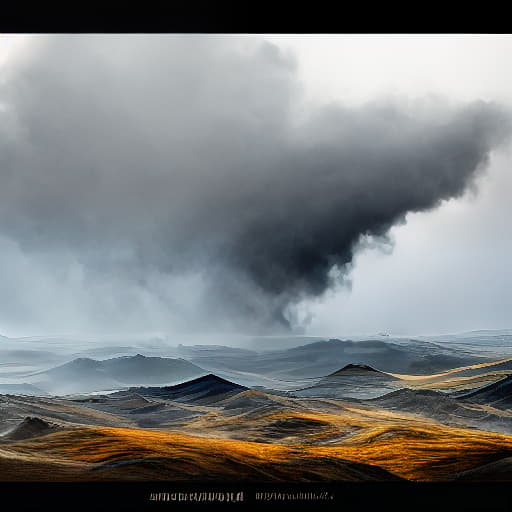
x: 167, y: 169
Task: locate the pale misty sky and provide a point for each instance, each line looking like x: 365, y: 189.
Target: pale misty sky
x: 448, y: 270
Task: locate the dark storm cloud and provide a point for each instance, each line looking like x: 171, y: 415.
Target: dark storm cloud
x: 157, y: 156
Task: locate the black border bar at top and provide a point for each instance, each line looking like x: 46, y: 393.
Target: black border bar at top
x: 176, y: 17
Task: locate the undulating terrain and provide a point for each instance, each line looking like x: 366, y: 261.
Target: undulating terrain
x: 381, y: 409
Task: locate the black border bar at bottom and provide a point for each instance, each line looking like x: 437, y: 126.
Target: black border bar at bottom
x: 166, y: 496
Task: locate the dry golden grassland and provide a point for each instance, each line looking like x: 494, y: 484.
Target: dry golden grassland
x: 409, y: 449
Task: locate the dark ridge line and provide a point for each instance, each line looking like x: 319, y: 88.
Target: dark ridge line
x: 486, y: 387
x: 355, y: 366
x: 205, y: 378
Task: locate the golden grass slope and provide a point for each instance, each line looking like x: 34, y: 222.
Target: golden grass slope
x: 254, y: 436
x: 413, y: 451
x: 450, y: 380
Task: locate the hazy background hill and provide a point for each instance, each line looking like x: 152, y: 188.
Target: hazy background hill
x: 281, y: 363
x: 86, y: 375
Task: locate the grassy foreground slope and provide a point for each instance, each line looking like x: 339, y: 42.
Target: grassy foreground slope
x: 433, y: 452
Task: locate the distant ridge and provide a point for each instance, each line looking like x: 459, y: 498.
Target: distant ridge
x: 420, y: 357
x: 85, y: 374
x: 202, y: 389
x: 21, y: 389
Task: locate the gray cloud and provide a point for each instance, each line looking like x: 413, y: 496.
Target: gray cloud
x: 144, y: 159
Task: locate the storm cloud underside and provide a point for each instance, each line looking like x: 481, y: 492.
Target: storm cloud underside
x: 154, y: 171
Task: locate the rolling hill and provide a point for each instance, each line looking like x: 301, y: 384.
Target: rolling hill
x: 351, y: 381
x: 86, y: 375
x: 207, y: 389
x: 498, y: 394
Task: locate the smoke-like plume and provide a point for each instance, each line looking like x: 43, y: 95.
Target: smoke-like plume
x: 144, y: 159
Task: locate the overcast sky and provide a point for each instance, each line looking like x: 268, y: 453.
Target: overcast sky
x: 449, y: 269
x: 331, y: 185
